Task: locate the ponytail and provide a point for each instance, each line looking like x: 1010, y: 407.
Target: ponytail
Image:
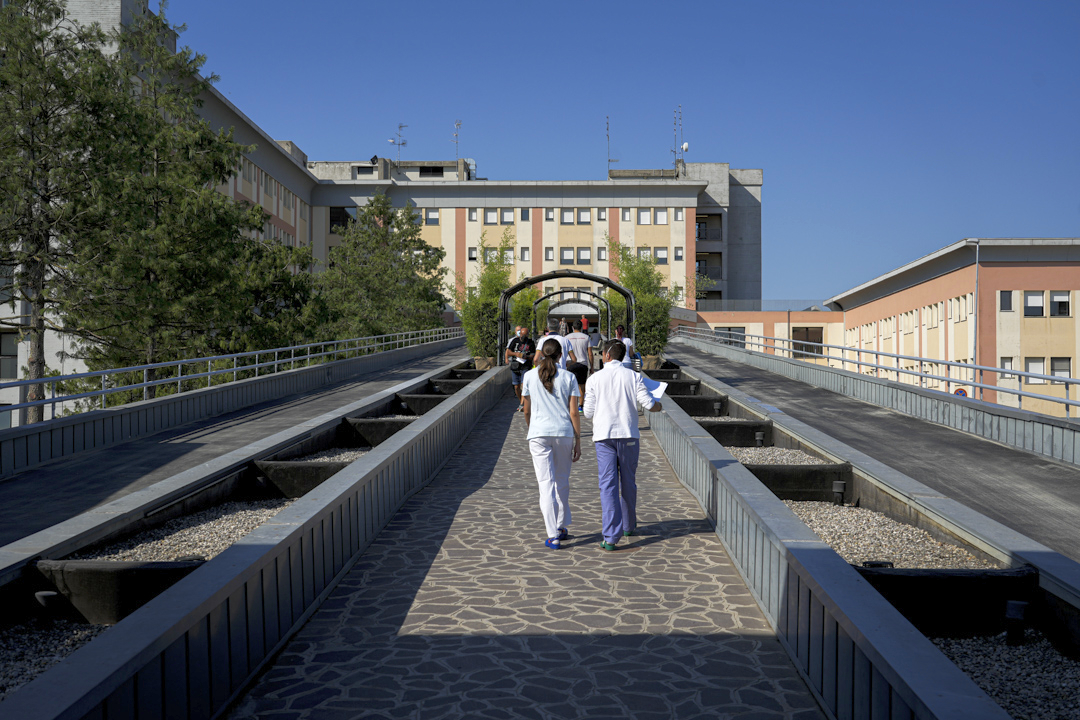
x: 550, y: 352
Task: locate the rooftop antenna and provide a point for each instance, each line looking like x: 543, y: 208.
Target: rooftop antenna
x: 675, y: 142
x: 609, y: 158
x: 457, y: 130
x: 400, y: 142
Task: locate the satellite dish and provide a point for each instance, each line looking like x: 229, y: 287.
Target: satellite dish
x: 685, y: 146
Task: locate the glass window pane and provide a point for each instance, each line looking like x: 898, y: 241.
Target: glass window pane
x: 507, y: 216
x: 644, y: 217
x: 9, y: 368
x: 524, y: 214
x: 1006, y: 301
x: 567, y: 216
x: 9, y: 344
x: 661, y: 216
x: 491, y: 216
x: 584, y: 216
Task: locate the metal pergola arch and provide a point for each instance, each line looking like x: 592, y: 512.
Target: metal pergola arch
x: 504, y: 301
x: 567, y: 291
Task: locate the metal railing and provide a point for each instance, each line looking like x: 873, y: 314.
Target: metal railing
x: 225, y: 368
x: 849, y: 356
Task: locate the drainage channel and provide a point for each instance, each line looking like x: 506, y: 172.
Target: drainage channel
x: 59, y: 599
x: 958, y: 579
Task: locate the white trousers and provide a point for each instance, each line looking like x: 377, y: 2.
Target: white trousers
x: 552, y: 457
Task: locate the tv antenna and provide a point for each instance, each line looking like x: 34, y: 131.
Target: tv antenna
x: 457, y: 130
x: 609, y: 158
x: 399, y: 142
x: 680, y: 146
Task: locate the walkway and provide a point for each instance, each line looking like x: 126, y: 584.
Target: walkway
x: 458, y: 610
x: 55, y: 492
x: 1029, y: 493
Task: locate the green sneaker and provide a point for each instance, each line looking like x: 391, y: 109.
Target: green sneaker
x: 629, y: 533
x: 605, y: 545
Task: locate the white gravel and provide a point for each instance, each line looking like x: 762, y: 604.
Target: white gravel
x: 714, y: 418
x: 205, y: 533
x: 772, y: 456
x: 859, y: 534
x: 1031, y: 682
x: 31, y: 648
x: 335, y: 455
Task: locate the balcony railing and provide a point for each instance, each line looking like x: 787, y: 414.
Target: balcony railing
x: 715, y: 234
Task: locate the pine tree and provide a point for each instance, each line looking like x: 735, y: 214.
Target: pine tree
x: 383, y: 277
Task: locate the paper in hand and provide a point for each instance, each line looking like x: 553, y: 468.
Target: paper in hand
x: 655, y: 388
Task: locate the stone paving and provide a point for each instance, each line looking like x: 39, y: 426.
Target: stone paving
x: 458, y: 610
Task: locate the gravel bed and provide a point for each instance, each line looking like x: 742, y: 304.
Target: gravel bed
x: 205, y: 533
x: 773, y: 456
x: 335, y: 455
x: 29, y: 649
x: 859, y: 534
x: 715, y: 418
x: 1031, y: 682
x: 391, y: 417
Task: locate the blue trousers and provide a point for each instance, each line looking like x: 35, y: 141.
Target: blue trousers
x: 617, y: 461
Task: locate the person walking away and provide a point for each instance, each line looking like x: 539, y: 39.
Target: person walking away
x: 595, y: 341
x: 579, y: 346
x: 519, y: 356
x: 551, y: 401
x: 563, y: 328
x: 553, y: 332
x: 620, y: 335
x: 611, y: 399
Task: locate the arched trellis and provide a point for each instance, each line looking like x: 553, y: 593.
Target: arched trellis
x: 504, y: 300
x: 569, y: 291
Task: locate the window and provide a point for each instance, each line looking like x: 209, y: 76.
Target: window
x: 303, y: 210
x: 1033, y: 304
x: 7, y: 283
x: 507, y: 216
x: 802, y: 337
x: 549, y: 254
x: 731, y: 335
x: 431, y: 216
x: 549, y: 215
x: 491, y: 216
x: 584, y: 216
x: 661, y: 216
x: 644, y: 253
x: 1005, y: 301
x: 472, y: 254
x: 626, y: 215
x: 9, y: 356
x: 601, y: 214
x: 1037, y: 366
x: 524, y: 254
x: 584, y: 256
x: 508, y: 256
x: 601, y: 253
x: 360, y: 171
x: 472, y: 214
x: 268, y: 185
x: 566, y: 216
x: 524, y: 214
x: 1059, y: 303
x: 566, y: 256
x: 661, y: 256
x: 1006, y: 364
x: 491, y: 255
x: 431, y: 172
x: 678, y: 214
x: 340, y: 216
x: 286, y: 199
x: 1061, y: 367
x: 678, y: 253
x: 5, y: 417
x: 644, y: 216
x: 248, y: 170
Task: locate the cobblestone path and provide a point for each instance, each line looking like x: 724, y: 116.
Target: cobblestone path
x: 459, y: 611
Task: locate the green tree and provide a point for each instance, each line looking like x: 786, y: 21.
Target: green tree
x: 384, y: 277
x: 60, y: 97
x: 173, y: 274
x: 521, y: 309
x: 479, y: 304
x: 653, y: 301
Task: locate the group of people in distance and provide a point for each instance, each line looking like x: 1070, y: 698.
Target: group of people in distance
x: 550, y: 396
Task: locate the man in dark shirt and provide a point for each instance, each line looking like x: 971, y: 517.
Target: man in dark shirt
x: 519, y: 356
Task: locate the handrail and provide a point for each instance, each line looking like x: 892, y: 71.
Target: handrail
x: 296, y: 354
x: 801, y: 349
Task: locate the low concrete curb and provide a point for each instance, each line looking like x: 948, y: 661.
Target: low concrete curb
x: 191, y: 650
x: 858, y: 654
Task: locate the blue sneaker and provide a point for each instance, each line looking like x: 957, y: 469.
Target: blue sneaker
x: 552, y: 543
x: 563, y: 533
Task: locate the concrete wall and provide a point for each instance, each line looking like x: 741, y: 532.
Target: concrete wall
x: 743, y: 236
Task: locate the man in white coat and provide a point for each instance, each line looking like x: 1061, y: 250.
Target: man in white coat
x: 612, y: 396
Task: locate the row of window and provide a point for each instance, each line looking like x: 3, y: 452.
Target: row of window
x: 1059, y: 367
x: 566, y: 216
x: 577, y: 256
x: 1035, y: 302
x: 272, y: 187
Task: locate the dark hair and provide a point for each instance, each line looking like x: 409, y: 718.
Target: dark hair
x: 616, y: 349
x: 550, y: 352
x: 620, y: 328
x: 577, y: 325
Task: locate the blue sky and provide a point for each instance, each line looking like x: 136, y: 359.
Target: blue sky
x: 885, y: 130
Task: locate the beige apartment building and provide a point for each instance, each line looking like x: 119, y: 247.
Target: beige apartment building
x: 1007, y: 303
